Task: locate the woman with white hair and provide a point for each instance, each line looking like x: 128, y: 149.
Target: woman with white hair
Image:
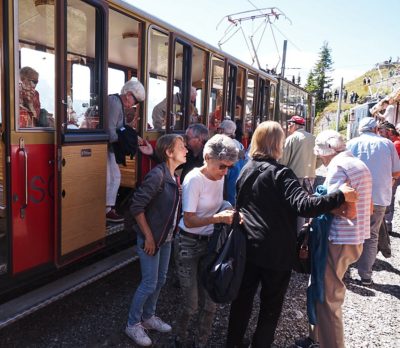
x: 270, y: 209
x: 132, y: 93
x: 202, y: 203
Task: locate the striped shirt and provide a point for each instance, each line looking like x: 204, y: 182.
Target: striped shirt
x: 345, y: 167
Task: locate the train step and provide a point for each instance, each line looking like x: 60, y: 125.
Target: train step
x: 28, y: 303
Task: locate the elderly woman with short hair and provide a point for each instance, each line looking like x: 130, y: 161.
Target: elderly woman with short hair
x: 201, y: 205
x: 270, y: 209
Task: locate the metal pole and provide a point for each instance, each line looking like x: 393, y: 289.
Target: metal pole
x: 339, y: 106
x: 284, y: 58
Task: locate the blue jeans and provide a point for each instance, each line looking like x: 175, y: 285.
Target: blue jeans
x: 154, y: 274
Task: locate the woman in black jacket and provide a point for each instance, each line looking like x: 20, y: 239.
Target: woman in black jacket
x: 270, y: 204
x: 155, y: 208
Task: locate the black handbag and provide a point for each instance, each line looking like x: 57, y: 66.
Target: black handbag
x: 302, y: 263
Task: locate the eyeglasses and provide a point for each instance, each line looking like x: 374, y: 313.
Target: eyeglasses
x: 135, y: 101
x: 224, y: 166
x: 34, y: 81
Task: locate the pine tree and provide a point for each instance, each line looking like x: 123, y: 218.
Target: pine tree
x: 318, y: 80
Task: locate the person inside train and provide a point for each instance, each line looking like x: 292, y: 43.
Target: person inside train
x: 160, y: 110
x: 155, y: 206
x: 196, y: 136
x: 132, y: 93
x: 202, y: 206
x: 29, y: 100
x: 270, y: 213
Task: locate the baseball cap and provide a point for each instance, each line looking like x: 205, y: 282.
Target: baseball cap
x: 367, y: 124
x: 298, y: 120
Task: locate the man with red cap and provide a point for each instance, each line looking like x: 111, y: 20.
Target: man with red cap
x: 298, y: 152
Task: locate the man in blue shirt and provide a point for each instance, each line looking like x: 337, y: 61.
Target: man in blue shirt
x: 380, y: 156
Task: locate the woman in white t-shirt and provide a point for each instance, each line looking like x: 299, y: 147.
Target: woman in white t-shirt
x: 201, y: 205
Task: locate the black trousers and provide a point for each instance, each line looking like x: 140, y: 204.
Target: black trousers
x: 273, y: 289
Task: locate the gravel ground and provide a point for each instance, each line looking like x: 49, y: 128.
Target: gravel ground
x: 96, y: 315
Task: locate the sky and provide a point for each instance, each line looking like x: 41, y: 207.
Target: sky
x: 360, y: 33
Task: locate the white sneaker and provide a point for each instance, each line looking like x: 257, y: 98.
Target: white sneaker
x: 138, y: 334
x: 155, y: 323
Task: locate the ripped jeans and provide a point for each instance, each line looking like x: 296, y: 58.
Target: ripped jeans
x: 188, y: 253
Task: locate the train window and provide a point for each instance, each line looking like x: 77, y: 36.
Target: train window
x: 262, y: 91
x: 216, y: 97
x: 83, y: 87
x: 249, y: 113
x: 283, y: 101
x: 239, y: 93
x: 123, y: 50
x: 264, y: 114
x: 157, y: 82
x: 37, y: 66
x: 80, y: 102
x: 116, y: 79
x: 271, y: 101
x: 182, y: 61
x: 199, y: 73
x: 231, y: 91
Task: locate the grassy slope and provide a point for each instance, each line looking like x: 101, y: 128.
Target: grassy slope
x: 357, y: 86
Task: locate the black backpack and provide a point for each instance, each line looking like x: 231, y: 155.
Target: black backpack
x: 127, y: 144
x: 222, y: 269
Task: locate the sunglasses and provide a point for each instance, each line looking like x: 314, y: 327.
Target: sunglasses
x: 35, y: 81
x: 224, y: 166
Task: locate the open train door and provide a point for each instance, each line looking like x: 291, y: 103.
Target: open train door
x: 81, y: 136
x: 28, y: 139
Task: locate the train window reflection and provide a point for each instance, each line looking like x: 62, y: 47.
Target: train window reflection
x: 82, y: 63
x: 77, y: 115
x: 216, y: 97
x: 36, y: 79
x: 116, y: 79
x: 199, y: 71
x: 157, y: 88
x: 249, y: 115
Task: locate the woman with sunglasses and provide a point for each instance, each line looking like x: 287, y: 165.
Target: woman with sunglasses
x: 202, y: 208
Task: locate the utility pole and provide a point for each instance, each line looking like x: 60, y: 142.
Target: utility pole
x: 339, y: 106
x: 284, y: 58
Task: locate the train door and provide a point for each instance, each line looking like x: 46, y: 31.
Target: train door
x: 81, y: 137
x: 239, y: 99
x: 216, y: 93
x: 249, y: 108
x: 231, y: 93
x: 180, y: 85
x: 198, y: 104
x: 261, y: 101
x: 125, y: 42
x: 29, y: 122
x: 4, y: 235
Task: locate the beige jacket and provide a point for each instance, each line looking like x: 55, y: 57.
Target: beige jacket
x: 298, y: 154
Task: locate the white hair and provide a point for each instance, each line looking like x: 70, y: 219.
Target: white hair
x: 228, y: 126
x: 222, y: 148
x: 329, y: 142
x: 136, y: 88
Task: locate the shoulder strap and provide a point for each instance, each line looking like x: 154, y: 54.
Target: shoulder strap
x: 123, y: 108
x: 251, y: 179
